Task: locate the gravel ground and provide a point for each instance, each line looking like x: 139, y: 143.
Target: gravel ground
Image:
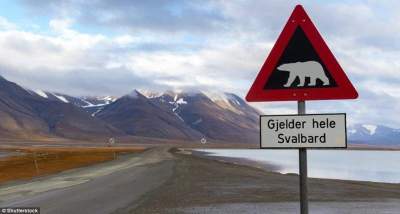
x: 201, y: 185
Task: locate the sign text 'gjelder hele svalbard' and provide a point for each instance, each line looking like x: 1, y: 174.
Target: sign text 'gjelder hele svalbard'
x: 303, y: 131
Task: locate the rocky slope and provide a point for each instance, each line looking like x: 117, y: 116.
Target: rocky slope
x: 26, y: 114
x: 137, y: 115
x: 218, y: 116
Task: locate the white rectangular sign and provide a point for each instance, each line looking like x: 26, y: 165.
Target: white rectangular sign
x: 303, y: 131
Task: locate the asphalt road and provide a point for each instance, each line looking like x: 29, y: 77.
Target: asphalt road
x: 112, y: 187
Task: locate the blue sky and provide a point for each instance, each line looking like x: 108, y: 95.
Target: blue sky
x: 110, y: 47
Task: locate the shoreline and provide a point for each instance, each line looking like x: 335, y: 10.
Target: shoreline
x: 239, y: 161
x: 274, y: 168
x: 200, y: 184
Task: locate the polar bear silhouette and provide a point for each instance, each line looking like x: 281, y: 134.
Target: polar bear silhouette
x: 311, y: 69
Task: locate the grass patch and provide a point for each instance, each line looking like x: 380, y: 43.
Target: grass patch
x: 39, y: 161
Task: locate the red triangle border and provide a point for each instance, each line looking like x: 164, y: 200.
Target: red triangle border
x: 344, y: 89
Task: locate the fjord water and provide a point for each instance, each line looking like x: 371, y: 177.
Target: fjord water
x: 376, y: 166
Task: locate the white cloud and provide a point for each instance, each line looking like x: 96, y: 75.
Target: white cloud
x: 6, y: 25
x: 224, y: 53
x: 125, y: 40
x: 61, y: 25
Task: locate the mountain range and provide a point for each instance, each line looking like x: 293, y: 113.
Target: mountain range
x: 365, y: 134
x: 176, y: 115
x: 37, y: 114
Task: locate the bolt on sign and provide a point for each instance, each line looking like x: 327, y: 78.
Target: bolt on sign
x: 303, y: 131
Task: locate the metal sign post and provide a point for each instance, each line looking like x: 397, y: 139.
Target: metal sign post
x: 300, y: 53
x: 301, y: 109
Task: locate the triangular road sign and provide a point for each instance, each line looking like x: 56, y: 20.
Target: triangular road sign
x: 300, y: 67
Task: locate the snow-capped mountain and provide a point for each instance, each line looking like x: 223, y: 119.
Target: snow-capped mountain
x: 54, y: 96
x: 88, y: 101
x: 94, y: 105
x: 137, y: 115
x: 28, y: 114
x: 373, y: 135
x: 217, y: 115
x: 181, y: 115
x: 149, y: 93
x: 91, y: 104
x: 188, y: 115
x: 193, y: 115
x: 97, y: 101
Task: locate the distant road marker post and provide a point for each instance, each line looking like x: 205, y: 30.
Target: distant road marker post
x: 301, y: 67
x: 111, y: 142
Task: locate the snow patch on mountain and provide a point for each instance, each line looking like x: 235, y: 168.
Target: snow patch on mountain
x: 197, y: 121
x: 60, y: 98
x: 224, y: 100
x: 108, y: 99
x: 89, y: 104
x: 97, y: 101
x: 373, y: 134
x: 41, y: 93
x: 93, y: 105
x: 216, y: 96
x: 180, y: 101
x: 150, y: 93
x: 177, y: 102
x: 352, y: 131
x: 370, y: 128
x: 180, y: 118
x: 97, y: 111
